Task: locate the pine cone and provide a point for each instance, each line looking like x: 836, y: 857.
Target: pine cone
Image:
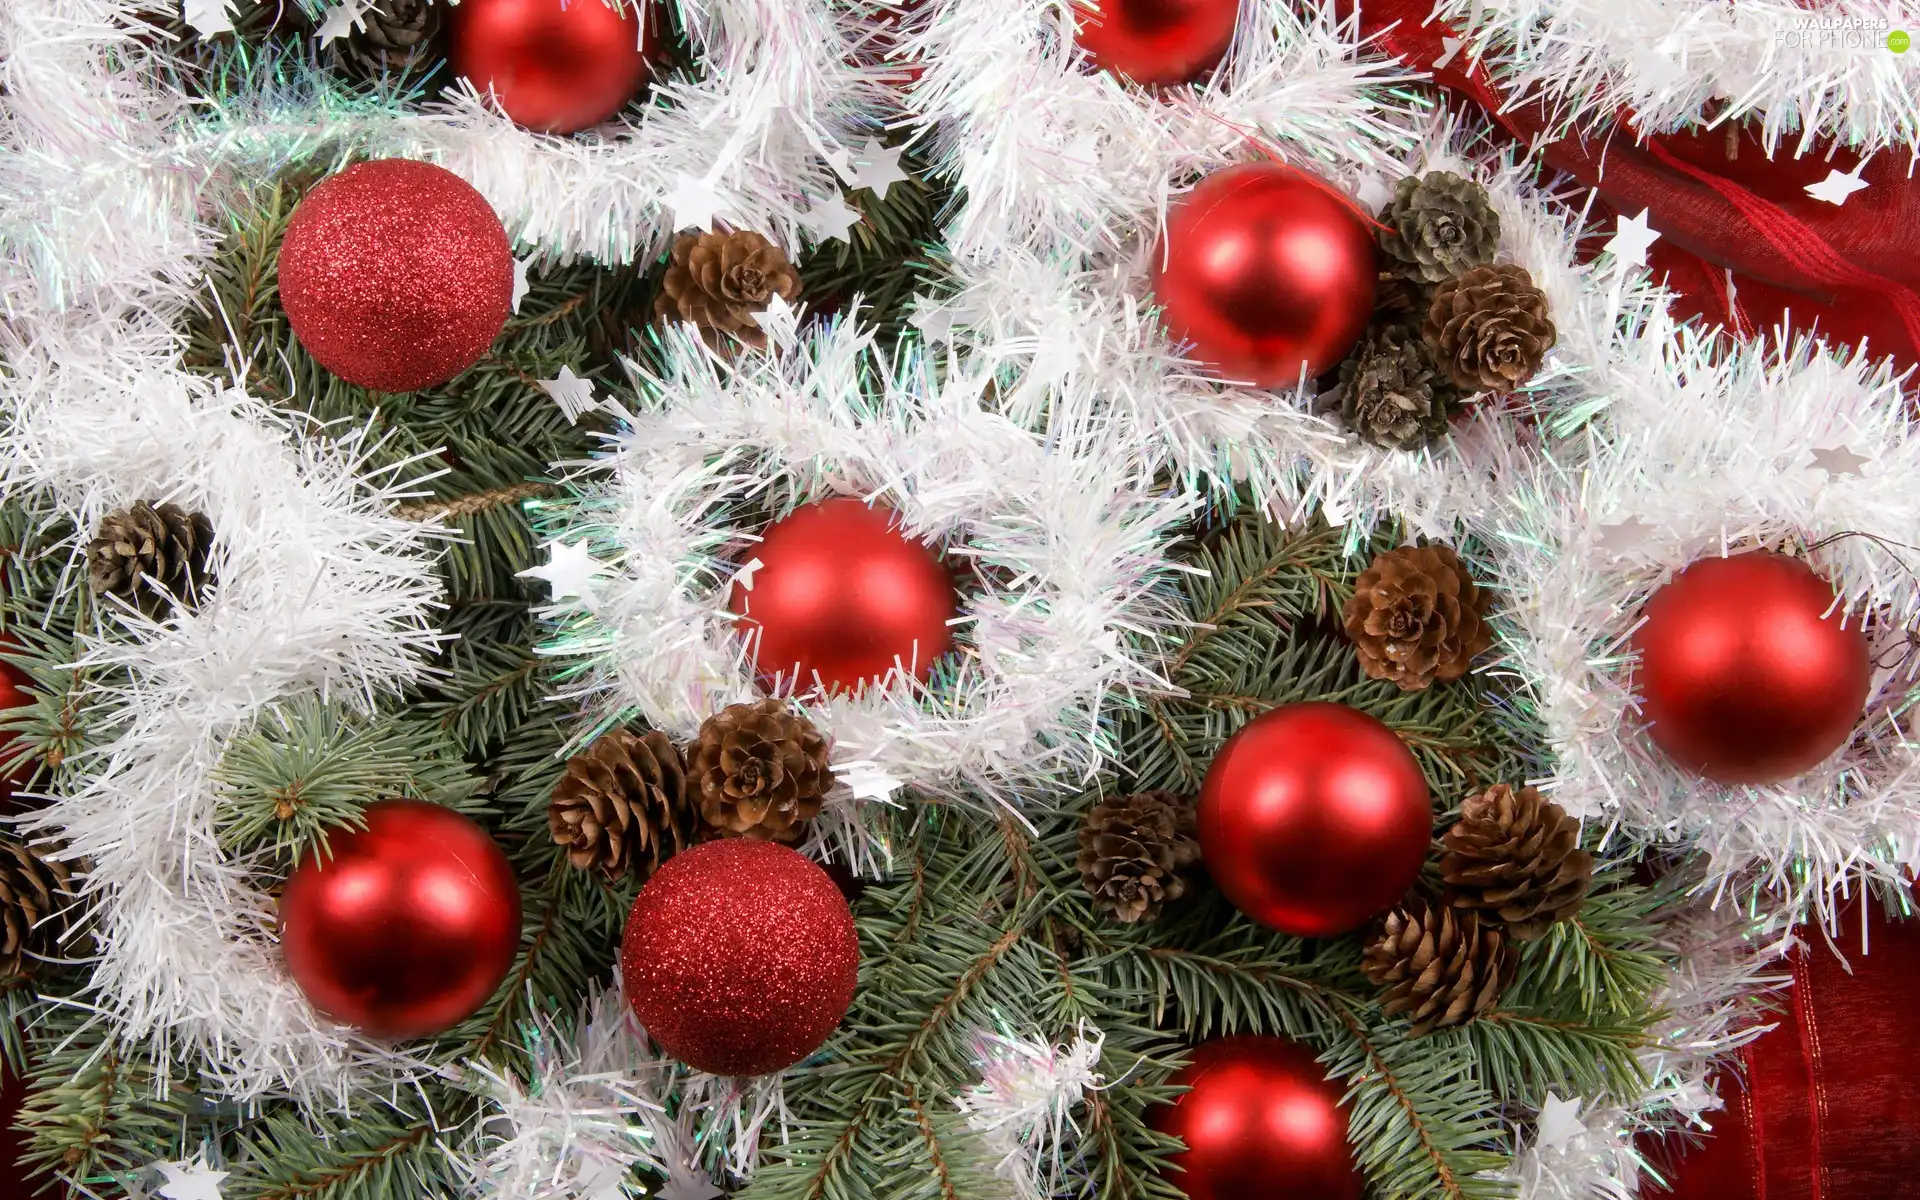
x: 1516, y: 857
x: 1439, y: 225
x: 35, y: 896
x: 1135, y: 852
x: 396, y: 37
x: 1390, y: 394
x: 760, y: 771
x: 1398, y: 300
x: 1488, y: 329
x: 1442, y: 966
x: 622, y: 805
x: 1416, y: 616
x: 137, y: 546
x: 719, y: 280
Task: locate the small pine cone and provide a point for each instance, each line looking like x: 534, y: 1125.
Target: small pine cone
x: 622, y: 805
x: 1416, y: 616
x: 1516, y: 856
x: 1488, y: 329
x: 1390, y: 395
x: 760, y: 771
x: 35, y: 896
x: 395, y: 38
x: 137, y: 546
x: 1441, y: 966
x: 1439, y: 225
x: 1398, y: 300
x: 1136, y: 852
x: 719, y: 280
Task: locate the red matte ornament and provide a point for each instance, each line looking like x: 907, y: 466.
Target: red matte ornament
x: 1746, y: 671
x: 840, y: 592
x: 1156, y: 41
x: 408, y: 927
x: 1267, y: 272
x: 1261, y: 1121
x: 740, y: 957
x: 554, y: 66
x: 395, y: 275
x: 1313, y: 818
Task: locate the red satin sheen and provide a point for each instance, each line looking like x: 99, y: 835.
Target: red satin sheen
x: 408, y: 927
x: 842, y: 593
x: 1157, y: 41
x: 1313, y: 818
x: 13, y: 694
x: 557, y: 66
x: 1744, y: 674
x: 1265, y: 272
x: 1261, y: 1121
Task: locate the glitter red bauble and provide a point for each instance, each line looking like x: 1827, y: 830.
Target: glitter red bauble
x: 841, y: 593
x: 1267, y: 273
x: 555, y: 66
x: 396, y: 275
x: 1313, y: 818
x: 1261, y: 1121
x: 1156, y: 41
x: 740, y: 957
x: 1748, y: 671
x: 406, y: 927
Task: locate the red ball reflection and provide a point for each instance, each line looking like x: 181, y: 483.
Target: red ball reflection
x: 1157, y: 41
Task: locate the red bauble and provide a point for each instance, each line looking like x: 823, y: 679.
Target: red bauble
x: 740, y: 957
x: 1746, y: 672
x: 1267, y: 273
x: 841, y: 593
x: 13, y: 694
x: 396, y: 275
x: 1261, y: 1121
x: 408, y: 926
x: 1156, y: 41
x: 556, y: 66
x: 1313, y: 818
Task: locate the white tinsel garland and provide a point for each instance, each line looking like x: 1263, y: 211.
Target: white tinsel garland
x: 1022, y: 1107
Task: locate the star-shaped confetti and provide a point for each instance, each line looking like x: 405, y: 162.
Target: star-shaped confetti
x: 1559, y: 1123
x: 688, y: 1185
x: 207, y: 17
x: 341, y: 20
x: 694, y: 202
x: 191, y: 1181
x: 520, y: 284
x: 1373, y: 193
x: 780, y: 321
x: 878, y: 168
x: 744, y: 574
x: 1837, y: 186
x: 1838, y: 460
x: 573, y: 394
x: 569, y: 571
x: 933, y: 320
x: 868, y: 780
x: 1625, y: 535
x: 830, y: 219
x: 603, y: 1181
x: 1631, y: 240
x: 1451, y: 46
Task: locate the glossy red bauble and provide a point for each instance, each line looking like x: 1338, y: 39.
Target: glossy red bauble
x: 555, y: 66
x: 1156, y: 41
x: 13, y: 694
x: 740, y: 957
x: 407, y: 927
x: 1261, y: 1121
x: 1748, y: 671
x: 1267, y: 273
x: 395, y: 275
x: 1314, y: 818
x: 842, y: 594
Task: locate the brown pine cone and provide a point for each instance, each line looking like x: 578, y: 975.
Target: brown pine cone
x: 719, y: 280
x: 1398, y: 300
x: 1416, y: 616
x: 152, y: 557
x: 1441, y: 966
x: 622, y: 805
x: 36, y: 896
x: 760, y: 771
x: 1489, y: 329
x: 1390, y: 395
x: 394, y: 37
x: 1135, y: 854
x: 1516, y: 857
x: 1438, y: 226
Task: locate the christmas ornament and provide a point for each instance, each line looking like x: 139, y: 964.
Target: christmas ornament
x: 760, y: 770
x: 36, y: 903
x: 1439, y: 225
x: 1488, y: 329
x: 1747, y: 671
x: 621, y: 806
x: 1156, y: 41
x: 841, y: 594
x: 554, y: 66
x: 13, y: 694
x: 406, y: 927
x: 1416, y: 616
x: 740, y: 957
x: 1267, y: 273
x: 1441, y: 966
x: 1137, y: 853
x: 152, y: 557
x: 718, y: 281
x: 1516, y: 857
x: 1261, y: 1120
x: 1313, y: 818
x: 395, y: 274
x: 1391, y: 395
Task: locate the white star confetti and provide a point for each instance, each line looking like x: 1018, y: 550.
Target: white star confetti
x: 780, y: 321
x: 573, y: 394
x: 830, y: 219
x: 1452, y: 47
x: 744, y: 576
x: 841, y: 161
x: 1559, y: 1123
x: 1837, y: 186
x: 1631, y: 240
x: 191, y: 1181
x: 878, y: 168
x: 569, y: 571
x: 1624, y: 535
x: 520, y: 284
x: 341, y: 20
x: 868, y: 780
x: 207, y: 17
x: 694, y: 202
x: 1373, y: 193
x: 688, y: 1186
x: 1838, y: 460
x: 934, y: 321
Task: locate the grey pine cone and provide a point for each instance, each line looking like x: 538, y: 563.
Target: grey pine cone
x: 1438, y: 226
x: 395, y: 37
x: 1390, y: 393
x: 152, y: 556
